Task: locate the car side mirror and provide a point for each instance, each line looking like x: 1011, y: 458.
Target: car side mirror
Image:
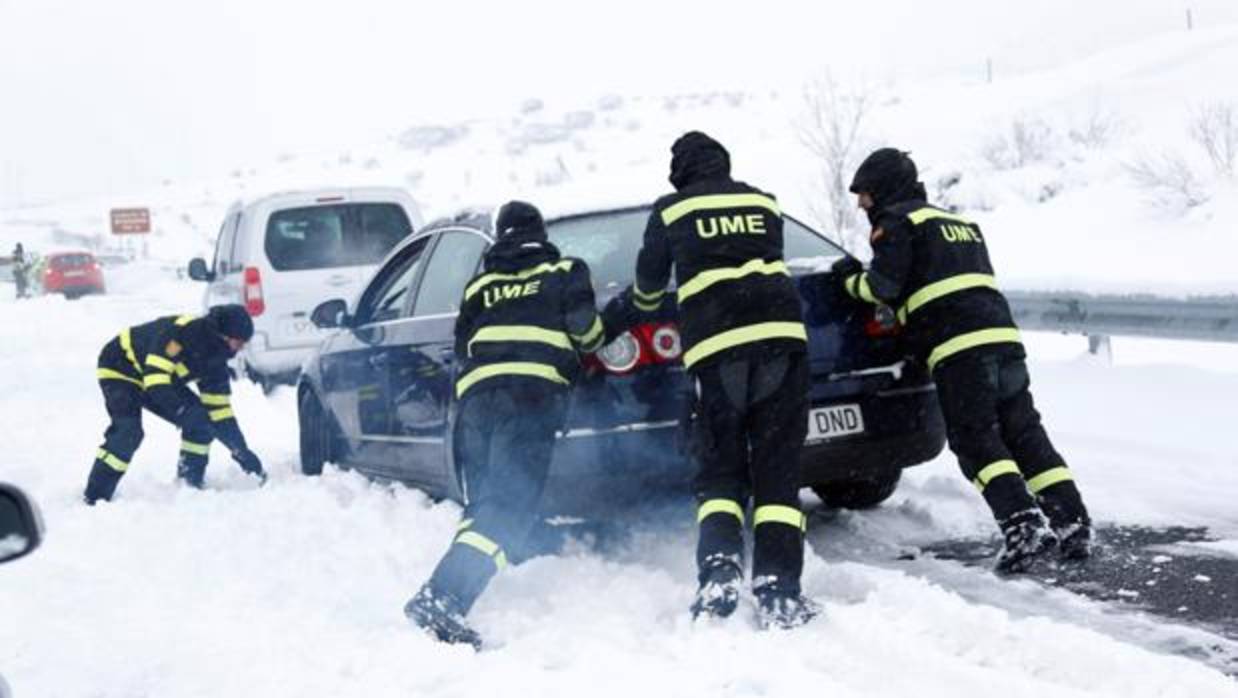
x: 198, y: 270
x: 332, y: 313
x: 21, y: 526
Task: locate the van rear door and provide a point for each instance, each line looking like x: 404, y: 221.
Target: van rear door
x: 321, y: 252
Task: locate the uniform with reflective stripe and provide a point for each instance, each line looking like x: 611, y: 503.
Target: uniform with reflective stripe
x: 112, y: 461
x: 780, y: 513
x: 993, y: 470
x: 484, y: 545
x: 723, y: 240
x: 486, y: 279
x: 1049, y: 478
x: 933, y: 266
x: 533, y: 370
x: 719, y: 506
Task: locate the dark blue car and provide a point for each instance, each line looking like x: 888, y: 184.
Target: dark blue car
x: 377, y: 394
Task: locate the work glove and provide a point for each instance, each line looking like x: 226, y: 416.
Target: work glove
x: 843, y: 269
x: 620, y: 314
x: 249, y: 462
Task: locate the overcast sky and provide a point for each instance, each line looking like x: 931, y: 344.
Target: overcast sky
x: 108, y: 96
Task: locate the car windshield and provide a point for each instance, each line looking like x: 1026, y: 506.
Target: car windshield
x: 317, y: 237
x: 609, y: 243
x: 67, y: 261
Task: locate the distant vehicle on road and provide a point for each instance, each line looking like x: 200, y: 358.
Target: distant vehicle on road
x: 282, y: 254
x: 73, y: 274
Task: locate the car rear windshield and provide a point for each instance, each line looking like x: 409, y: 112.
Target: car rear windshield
x: 339, y: 235
x: 609, y: 243
x: 68, y: 261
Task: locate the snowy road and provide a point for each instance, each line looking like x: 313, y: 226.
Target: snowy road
x: 296, y: 588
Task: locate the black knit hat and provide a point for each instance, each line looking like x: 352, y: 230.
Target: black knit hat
x: 695, y: 157
x: 231, y: 321
x: 520, y: 219
x: 888, y: 175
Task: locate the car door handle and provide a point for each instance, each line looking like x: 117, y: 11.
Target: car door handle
x: 338, y: 280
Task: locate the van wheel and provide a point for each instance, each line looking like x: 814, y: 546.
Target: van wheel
x: 315, y: 433
x: 863, y: 493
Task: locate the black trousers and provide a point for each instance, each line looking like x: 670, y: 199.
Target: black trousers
x: 993, y: 427
x: 124, y: 402
x: 503, y: 441
x: 750, y: 424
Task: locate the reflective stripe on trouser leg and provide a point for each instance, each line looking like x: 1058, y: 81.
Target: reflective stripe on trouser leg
x: 720, y: 448
x: 121, y: 440
x: 470, y: 563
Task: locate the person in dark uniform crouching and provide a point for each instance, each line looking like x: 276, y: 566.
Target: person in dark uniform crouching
x: 149, y: 366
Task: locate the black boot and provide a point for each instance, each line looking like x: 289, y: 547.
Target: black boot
x: 1063, y: 505
x: 1027, y: 538
x: 101, y: 484
x: 783, y: 610
x: 718, y: 594
x: 440, y: 614
x: 191, y: 468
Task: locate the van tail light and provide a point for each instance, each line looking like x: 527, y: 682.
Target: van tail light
x: 254, y: 305
x: 643, y: 345
x: 882, y: 322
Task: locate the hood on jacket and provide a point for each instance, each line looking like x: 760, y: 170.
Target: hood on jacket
x: 696, y: 157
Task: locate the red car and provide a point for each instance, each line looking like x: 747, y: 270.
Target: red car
x: 72, y: 273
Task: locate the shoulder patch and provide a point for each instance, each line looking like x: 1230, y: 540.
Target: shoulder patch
x: 172, y: 349
x: 877, y: 234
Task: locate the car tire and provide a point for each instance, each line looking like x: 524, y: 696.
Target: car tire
x: 315, y: 434
x: 862, y: 493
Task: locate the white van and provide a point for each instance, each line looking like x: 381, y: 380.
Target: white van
x: 283, y: 254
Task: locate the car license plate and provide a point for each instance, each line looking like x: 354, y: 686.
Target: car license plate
x: 834, y: 421
x: 75, y: 272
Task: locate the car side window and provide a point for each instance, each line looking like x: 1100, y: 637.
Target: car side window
x: 386, y: 295
x: 223, y: 245
x: 452, y: 264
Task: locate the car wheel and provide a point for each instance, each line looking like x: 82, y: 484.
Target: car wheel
x: 315, y: 434
x: 863, y: 493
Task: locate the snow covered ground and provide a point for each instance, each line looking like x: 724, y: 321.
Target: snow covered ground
x: 296, y: 588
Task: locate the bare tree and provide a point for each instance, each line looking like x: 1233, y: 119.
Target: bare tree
x: 1028, y: 140
x: 1170, y: 181
x: 831, y: 127
x: 1214, y: 127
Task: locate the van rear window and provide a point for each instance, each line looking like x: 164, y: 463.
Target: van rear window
x: 339, y: 235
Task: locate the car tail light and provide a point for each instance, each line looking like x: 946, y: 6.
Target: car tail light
x: 653, y: 343
x: 882, y: 322
x: 254, y: 305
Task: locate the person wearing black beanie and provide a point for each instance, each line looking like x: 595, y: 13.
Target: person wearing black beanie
x: 524, y: 323
x: 745, y: 350
x: 149, y: 367
x: 932, y: 266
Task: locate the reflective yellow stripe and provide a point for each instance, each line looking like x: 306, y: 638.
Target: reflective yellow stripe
x: 1048, y: 478
x: 919, y: 216
x: 592, y: 337
x: 945, y: 287
x: 182, y: 370
x: 112, y: 461
x: 857, y: 286
x: 489, y: 548
x: 126, y: 343
x: 221, y: 414
x: 182, y: 320
x: 992, y: 470
x: 109, y: 374
x: 651, y: 296
x: 709, y: 202
x: 563, y: 265
x: 705, y: 279
x: 160, y: 363
x: 963, y: 342
x: 514, y: 368
x: 199, y: 449
x: 464, y: 525
x: 744, y: 335
x: 648, y: 307
x: 217, y: 399
x: 780, y: 513
x: 719, y: 506
x: 153, y: 379
x: 520, y: 333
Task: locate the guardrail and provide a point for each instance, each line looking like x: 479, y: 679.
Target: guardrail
x: 1205, y: 318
